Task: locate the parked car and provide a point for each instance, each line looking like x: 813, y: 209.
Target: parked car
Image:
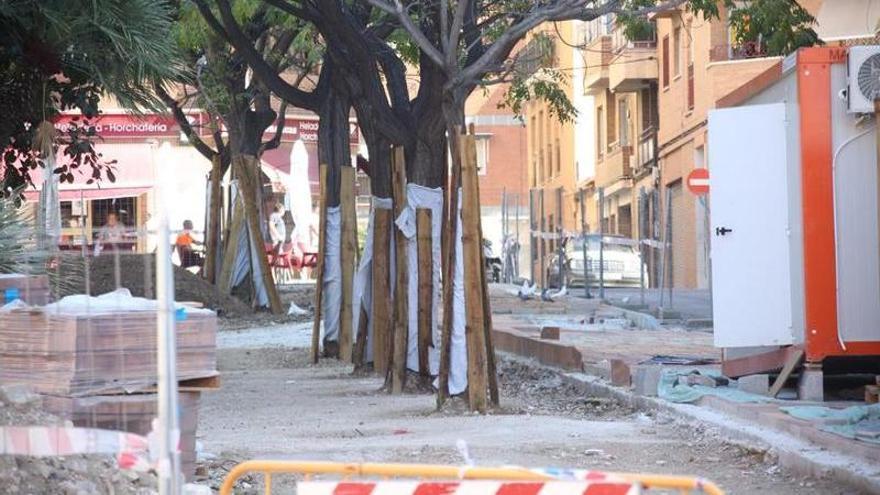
x: 621, y: 260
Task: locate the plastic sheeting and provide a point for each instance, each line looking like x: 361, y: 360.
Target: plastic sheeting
x: 332, y: 295
x: 246, y: 258
x: 432, y: 199
x: 855, y: 422
x: 49, y: 213
x: 363, y: 287
x: 672, y: 389
x: 299, y: 195
x: 111, y: 302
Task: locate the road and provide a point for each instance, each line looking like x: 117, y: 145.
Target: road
x: 274, y: 404
x: 690, y: 303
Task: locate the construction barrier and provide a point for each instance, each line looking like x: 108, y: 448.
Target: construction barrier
x: 542, y: 482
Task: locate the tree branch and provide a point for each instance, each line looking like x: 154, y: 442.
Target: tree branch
x: 279, y: 129
x: 230, y: 31
x: 410, y: 27
x: 183, y: 122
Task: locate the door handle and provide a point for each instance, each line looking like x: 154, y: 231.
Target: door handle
x: 722, y: 230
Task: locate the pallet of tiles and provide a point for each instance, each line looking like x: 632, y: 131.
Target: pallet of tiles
x: 32, y: 289
x: 132, y: 413
x: 89, y: 354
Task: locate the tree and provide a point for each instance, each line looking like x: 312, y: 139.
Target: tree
x: 58, y: 55
x: 240, y: 109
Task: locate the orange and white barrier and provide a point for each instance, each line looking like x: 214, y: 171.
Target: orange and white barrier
x: 131, y: 450
x: 607, y: 486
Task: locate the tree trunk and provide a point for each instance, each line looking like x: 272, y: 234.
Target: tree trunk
x: 212, y: 231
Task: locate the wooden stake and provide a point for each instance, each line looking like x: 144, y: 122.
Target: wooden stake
x: 248, y: 168
x: 213, y: 230
x: 426, y: 286
x: 381, y: 305
x: 348, y: 255
x: 450, y: 226
x: 225, y: 281
x: 491, y: 370
x: 401, y: 313
x: 360, y: 343
x: 473, y: 283
x: 319, y: 269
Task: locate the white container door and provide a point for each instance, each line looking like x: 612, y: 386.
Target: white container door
x: 751, y: 273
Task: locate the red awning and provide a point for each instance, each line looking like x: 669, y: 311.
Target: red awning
x: 77, y: 194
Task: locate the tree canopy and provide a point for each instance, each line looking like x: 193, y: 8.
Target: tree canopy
x: 58, y: 55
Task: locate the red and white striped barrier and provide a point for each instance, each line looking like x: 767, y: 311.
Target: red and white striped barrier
x: 605, y: 486
x: 131, y: 450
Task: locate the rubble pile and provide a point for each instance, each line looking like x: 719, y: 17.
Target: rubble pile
x: 71, y: 475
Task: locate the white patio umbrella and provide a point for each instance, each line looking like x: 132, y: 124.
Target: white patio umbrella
x: 49, y: 213
x: 299, y: 193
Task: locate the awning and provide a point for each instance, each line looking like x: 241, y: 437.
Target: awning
x: 840, y: 20
x: 77, y: 194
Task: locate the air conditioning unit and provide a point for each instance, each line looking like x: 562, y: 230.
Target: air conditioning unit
x: 863, y: 75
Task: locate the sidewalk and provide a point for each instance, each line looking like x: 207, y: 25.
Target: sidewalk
x: 691, y: 304
x: 586, y: 350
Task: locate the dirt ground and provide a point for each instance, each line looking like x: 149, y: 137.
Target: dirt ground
x: 273, y: 404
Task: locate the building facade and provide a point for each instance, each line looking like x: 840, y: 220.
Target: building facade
x: 698, y: 64
x: 552, y: 154
x: 501, y: 162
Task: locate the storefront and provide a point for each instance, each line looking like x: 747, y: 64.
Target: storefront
x: 150, y: 152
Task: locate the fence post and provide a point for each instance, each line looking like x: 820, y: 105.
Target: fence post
x: 169, y: 458
x: 601, y: 244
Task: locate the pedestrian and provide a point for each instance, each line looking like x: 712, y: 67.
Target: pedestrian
x: 184, y: 245
x: 277, y: 228
x: 111, y: 234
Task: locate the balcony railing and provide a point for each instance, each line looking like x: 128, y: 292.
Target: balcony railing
x: 746, y: 50
x: 646, y: 39
x: 647, y: 150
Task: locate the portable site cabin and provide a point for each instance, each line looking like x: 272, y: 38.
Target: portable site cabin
x: 795, y: 251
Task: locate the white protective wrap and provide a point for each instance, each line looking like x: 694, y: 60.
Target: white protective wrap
x: 363, y: 287
x: 423, y: 197
x: 332, y: 291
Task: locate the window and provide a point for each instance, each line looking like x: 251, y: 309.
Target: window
x: 611, y: 127
x: 482, y: 154
x: 665, y: 61
x: 623, y: 122
x: 676, y: 51
x: 558, y: 161
x: 649, y: 107
x: 600, y: 131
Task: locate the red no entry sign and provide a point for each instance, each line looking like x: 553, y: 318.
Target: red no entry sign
x: 698, y: 181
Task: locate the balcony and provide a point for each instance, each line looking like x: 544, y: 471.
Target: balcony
x: 646, y: 152
x: 634, y: 62
x: 743, y: 51
x: 597, y: 57
x: 616, y: 165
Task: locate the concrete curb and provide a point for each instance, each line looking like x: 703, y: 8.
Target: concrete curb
x: 800, y: 457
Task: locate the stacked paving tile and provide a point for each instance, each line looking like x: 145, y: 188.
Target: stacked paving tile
x: 98, y: 366
x: 32, y: 289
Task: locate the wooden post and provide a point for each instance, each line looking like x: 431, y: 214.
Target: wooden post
x: 401, y: 313
x: 360, y: 341
x: 473, y: 271
x: 426, y: 286
x: 225, y: 281
x: 381, y: 304
x: 450, y: 226
x: 349, y: 259
x: 491, y: 370
x: 248, y: 184
x: 319, y: 269
x: 213, y: 228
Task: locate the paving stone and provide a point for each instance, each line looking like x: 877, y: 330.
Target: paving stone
x: 646, y: 378
x: 754, y: 384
